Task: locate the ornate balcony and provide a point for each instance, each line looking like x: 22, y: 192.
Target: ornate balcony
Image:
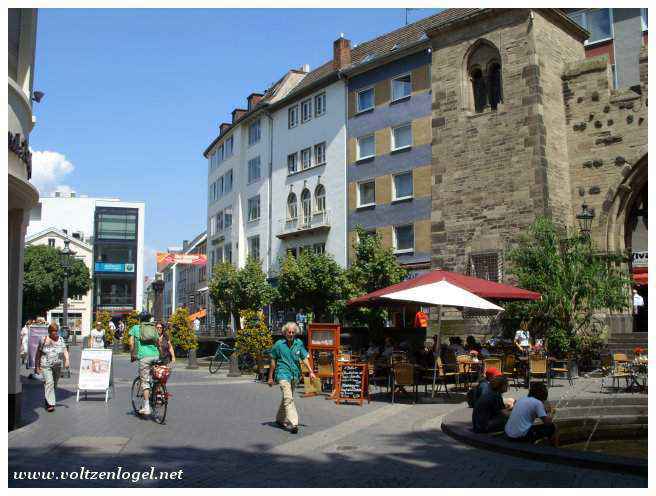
x: 304, y: 224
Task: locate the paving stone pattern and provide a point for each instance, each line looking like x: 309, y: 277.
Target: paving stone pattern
x: 220, y: 433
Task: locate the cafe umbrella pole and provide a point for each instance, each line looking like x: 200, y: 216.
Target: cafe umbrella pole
x: 437, y: 347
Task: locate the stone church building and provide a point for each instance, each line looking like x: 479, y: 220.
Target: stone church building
x: 524, y: 125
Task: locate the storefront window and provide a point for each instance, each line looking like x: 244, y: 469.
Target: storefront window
x: 115, y: 292
x: 116, y: 225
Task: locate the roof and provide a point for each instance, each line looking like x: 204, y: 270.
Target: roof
x: 61, y: 234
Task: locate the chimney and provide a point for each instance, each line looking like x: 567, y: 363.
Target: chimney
x: 341, y: 52
x: 237, y: 114
x: 306, y: 68
x: 253, y: 99
x: 223, y: 128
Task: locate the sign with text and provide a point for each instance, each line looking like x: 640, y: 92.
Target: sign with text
x: 36, y: 333
x: 166, y: 259
x: 113, y: 267
x: 353, y: 382
x: 95, y: 368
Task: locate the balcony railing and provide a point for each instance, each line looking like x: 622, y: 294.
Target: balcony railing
x: 304, y: 224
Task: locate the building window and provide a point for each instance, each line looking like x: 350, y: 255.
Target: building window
x: 212, y: 226
x: 320, y: 104
x: 306, y: 205
x: 254, y: 208
x: 292, y: 208
x: 319, y: 248
x: 291, y: 252
x: 219, y: 187
x: 254, y: 247
x: 219, y: 154
x: 116, y: 226
x: 292, y: 116
x: 306, y: 158
x: 366, y: 147
x: 402, y: 186
x: 402, y: 137
x: 227, y: 217
x: 320, y: 153
x: 320, y: 198
x: 227, y: 182
x: 254, y: 132
x: 253, y: 169
x: 219, y: 222
x: 229, y: 147
x: 404, y: 238
x: 366, y: 234
x: 488, y: 266
x: 485, y: 77
x: 366, y: 194
x: 51, y: 242
x: 35, y: 213
x: 365, y: 99
x: 401, y: 87
x: 115, y: 253
x: 306, y: 110
x: 292, y: 163
x: 599, y: 22
x: 227, y: 253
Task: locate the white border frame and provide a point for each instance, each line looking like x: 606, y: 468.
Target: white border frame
x: 409, y: 95
x: 358, y: 110
x: 358, y: 203
x: 357, y: 147
x: 403, y: 198
x: 393, y: 147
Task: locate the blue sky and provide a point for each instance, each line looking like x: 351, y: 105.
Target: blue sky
x: 134, y: 96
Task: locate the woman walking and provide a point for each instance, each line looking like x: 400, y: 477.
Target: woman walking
x: 49, y: 360
x: 166, y: 351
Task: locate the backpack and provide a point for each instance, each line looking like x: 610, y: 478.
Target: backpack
x: 148, y: 333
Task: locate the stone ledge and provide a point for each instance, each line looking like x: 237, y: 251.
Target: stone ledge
x: 594, y: 64
x: 458, y: 426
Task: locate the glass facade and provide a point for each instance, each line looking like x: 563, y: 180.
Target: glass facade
x: 120, y: 225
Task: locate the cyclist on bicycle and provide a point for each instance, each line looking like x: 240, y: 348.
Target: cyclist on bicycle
x: 166, y: 351
x: 146, y: 352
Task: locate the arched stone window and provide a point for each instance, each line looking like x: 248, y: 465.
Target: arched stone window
x: 306, y: 206
x: 320, y: 198
x: 292, y: 208
x: 483, y: 69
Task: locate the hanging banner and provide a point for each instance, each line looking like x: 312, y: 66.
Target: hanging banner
x: 166, y: 259
x: 95, y: 368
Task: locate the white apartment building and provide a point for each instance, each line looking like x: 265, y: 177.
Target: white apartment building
x: 80, y: 318
x: 115, y: 229
x: 309, y: 173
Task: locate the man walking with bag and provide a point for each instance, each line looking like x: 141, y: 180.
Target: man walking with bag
x: 143, y: 347
x: 286, y: 356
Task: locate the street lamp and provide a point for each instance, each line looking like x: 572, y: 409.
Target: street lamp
x: 66, y: 259
x: 585, y: 220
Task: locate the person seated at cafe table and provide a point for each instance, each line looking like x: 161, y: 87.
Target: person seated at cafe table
x: 472, y: 344
x: 389, y: 348
x: 490, y: 411
x: 520, y: 426
x: 455, y: 346
x: 372, y: 351
x: 424, y: 357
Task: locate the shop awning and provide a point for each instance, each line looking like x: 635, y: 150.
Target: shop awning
x: 199, y: 314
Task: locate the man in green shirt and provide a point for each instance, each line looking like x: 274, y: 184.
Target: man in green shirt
x: 286, y: 356
x: 146, y: 353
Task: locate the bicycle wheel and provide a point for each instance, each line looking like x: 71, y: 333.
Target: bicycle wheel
x: 158, y: 402
x: 215, y: 364
x: 136, y: 395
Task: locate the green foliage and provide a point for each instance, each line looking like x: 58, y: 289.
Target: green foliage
x: 43, y: 280
x: 130, y: 321
x: 255, y: 338
x: 315, y: 283
x: 104, y: 317
x: 375, y: 267
x: 181, y: 331
x: 235, y: 290
x: 575, y: 283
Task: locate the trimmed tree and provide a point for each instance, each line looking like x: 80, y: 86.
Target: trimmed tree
x: 315, y: 283
x: 255, y: 337
x: 183, y: 336
x: 576, y: 284
x: 374, y: 267
x: 43, y: 280
x: 235, y: 290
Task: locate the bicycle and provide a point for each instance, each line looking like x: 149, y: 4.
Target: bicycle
x: 222, y: 355
x: 159, y: 397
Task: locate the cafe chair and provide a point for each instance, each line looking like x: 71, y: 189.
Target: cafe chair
x: 404, y: 375
x: 620, y: 358
x: 439, y: 375
x: 263, y: 366
x: 398, y: 357
x: 619, y: 371
x: 491, y: 362
x: 510, y: 369
x: 465, y: 364
x: 537, y: 367
x: 563, y: 366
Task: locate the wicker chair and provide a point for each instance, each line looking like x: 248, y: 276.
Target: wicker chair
x: 620, y: 358
x: 404, y: 375
x: 619, y: 371
x: 537, y: 366
x: 464, y: 370
x: 492, y: 362
x: 510, y: 369
x: 563, y: 366
x: 440, y: 376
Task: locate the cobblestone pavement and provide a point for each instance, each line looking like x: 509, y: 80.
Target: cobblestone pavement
x: 220, y: 433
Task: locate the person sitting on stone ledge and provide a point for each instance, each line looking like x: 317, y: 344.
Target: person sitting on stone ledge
x: 490, y: 411
x: 520, y: 426
x: 483, y: 386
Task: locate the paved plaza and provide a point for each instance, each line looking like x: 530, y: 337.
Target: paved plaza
x: 220, y: 433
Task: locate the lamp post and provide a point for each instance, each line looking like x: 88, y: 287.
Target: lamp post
x: 66, y: 257
x: 585, y: 220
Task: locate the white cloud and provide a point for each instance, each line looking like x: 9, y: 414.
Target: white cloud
x: 48, y: 170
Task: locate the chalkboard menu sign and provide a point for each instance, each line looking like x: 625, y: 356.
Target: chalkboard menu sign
x: 353, y: 382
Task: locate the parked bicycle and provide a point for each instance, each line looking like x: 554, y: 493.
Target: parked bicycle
x: 159, y: 397
x: 222, y: 356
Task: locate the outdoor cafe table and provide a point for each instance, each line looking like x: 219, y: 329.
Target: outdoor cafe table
x: 638, y: 376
